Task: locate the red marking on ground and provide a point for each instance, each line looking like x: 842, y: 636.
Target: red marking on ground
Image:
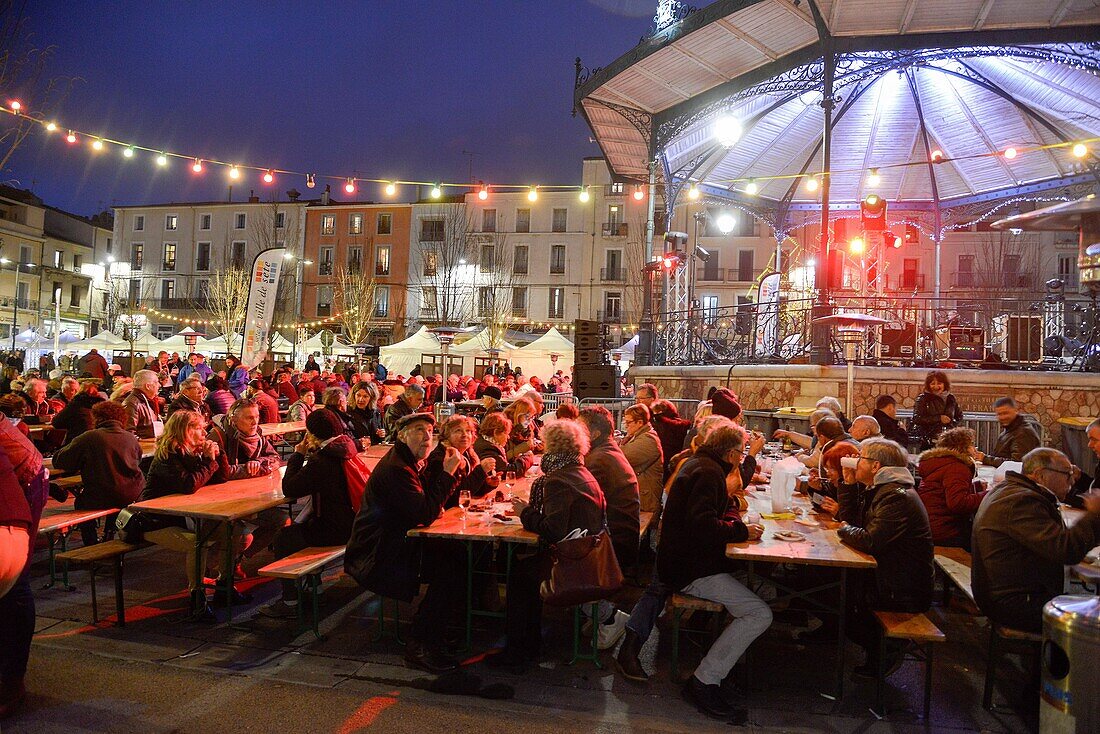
x: 365, y: 715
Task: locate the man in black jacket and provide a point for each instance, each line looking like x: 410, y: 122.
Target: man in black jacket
x: 381, y: 556
x: 886, y: 413
x: 691, y: 557
x: 1017, y: 435
x: 76, y: 417
x: 408, y: 403
x: 886, y: 520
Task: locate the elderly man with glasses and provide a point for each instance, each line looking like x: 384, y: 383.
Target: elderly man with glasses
x: 1021, y: 541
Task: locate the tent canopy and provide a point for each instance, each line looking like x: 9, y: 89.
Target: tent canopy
x: 103, y: 340
x: 536, y: 357
x: 178, y: 342
x: 552, y: 342
x: 401, y: 357
x: 481, y: 342
x: 313, y: 344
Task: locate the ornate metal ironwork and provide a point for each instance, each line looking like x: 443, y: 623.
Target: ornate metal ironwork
x: 641, y: 121
x: 583, y: 73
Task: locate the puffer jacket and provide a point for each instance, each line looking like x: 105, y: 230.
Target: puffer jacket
x: 947, y: 491
x: 1015, y: 440
x: 893, y: 527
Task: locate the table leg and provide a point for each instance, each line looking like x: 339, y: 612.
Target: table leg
x: 51, y: 540
x: 469, y: 595
x: 842, y: 611
x: 227, y: 571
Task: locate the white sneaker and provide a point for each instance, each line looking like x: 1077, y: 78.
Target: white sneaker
x: 611, y: 633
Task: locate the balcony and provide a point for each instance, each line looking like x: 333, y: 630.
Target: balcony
x: 612, y: 275
x: 324, y: 268
x: 994, y: 280
x: 710, y: 275
x: 24, y: 304
x: 324, y: 309
x: 181, y: 304
x: 615, y: 229
x: 611, y: 316
x: 382, y: 270
x: 519, y: 312
x: 737, y: 275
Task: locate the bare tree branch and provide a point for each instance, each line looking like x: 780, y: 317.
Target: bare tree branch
x: 444, y: 253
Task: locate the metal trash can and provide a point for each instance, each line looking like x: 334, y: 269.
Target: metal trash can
x: 443, y: 411
x: 1070, y: 694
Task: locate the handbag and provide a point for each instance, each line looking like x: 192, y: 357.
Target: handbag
x: 582, y: 570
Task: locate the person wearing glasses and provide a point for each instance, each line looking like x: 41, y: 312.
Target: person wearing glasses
x: 642, y: 449
x: 1021, y: 542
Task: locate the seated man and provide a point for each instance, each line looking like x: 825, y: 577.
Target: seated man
x: 646, y: 394
x: 691, y: 557
x: 269, y: 406
x: 407, y: 404
x: 381, y: 556
x: 39, y: 410
x: 806, y: 441
x: 142, y: 416
x: 884, y: 517
x: 76, y: 417
x: 886, y: 413
x: 490, y: 400
x: 1017, y: 436
x: 616, y: 478
x: 1021, y: 543
x: 864, y: 427
x: 70, y: 386
x: 828, y: 432
x: 1084, y: 483
x: 192, y: 397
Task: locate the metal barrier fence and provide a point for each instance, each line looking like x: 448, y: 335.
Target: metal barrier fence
x: 1055, y: 332
x: 684, y: 407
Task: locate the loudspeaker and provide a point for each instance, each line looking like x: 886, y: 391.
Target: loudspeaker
x: 966, y: 342
x: 587, y: 341
x: 899, y: 340
x: 1024, y: 339
x: 596, y: 381
x: 584, y: 328
x: 587, y: 356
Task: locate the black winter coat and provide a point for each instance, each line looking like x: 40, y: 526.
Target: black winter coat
x: 926, y: 416
x: 76, y: 416
x: 486, y: 449
x: 108, y: 459
x: 473, y: 479
x: 380, y: 555
x: 694, y: 528
x: 891, y: 524
x: 1014, y: 440
x: 571, y: 499
x: 180, y: 473
x: 891, y: 428
x: 321, y: 476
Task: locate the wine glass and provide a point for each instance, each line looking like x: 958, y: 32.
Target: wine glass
x: 464, y: 500
x: 509, y: 480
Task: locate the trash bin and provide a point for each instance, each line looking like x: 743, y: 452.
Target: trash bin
x: 443, y: 411
x: 1069, y: 699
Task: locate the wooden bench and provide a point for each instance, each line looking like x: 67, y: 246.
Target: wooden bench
x: 57, y: 522
x: 679, y: 604
x: 915, y: 628
x: 955, y: 566
x: 1006, y: 641
x: 304, y: 569
x: 95, y: 556
x: 645, y: 519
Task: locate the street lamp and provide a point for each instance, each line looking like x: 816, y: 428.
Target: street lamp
x: 297, y: 293
x: 15, y: 301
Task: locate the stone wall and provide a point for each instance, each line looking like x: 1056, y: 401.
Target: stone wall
x: 1047, y: 395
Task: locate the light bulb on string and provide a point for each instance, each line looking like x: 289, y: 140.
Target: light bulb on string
x: 584, y: 195
x: 693, y: 192
x: 751, y: 188
x: 162, y: 159
x: 51, y: 127
x: 97, y: 144
x: 15, y: 105
x: 812, y: 183
x: 1010, y: 153
x: 436, y: 191
x: 234, y: 172
x: 483, y: 192
x: 639, y: 193
x: 71, y: 137
x: 128, y: 151
x: 727, y: 130
x: 391, y: 188
x: 1080, y: 150
x: 311, y: 181
x: 349, y: 186
x: 197, y: 165
x: 269, y: 175
x: 533, y: 193
x: 873, y: 178
x: 937, y: 156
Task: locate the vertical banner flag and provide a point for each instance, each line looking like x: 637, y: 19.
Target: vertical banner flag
x: 767, y: 316
x: 263, y: 285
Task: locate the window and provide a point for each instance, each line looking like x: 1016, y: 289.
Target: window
x: 431, y: 230
x: 614, y: 215
x: 355, y: 224
x: 237, y: 254
x: 74, y: 296
x: 489, y: 220
x: 613, y: 260
x: 58, y: 259
x: 1067, y: 270
x: 139, y: 222
x: 382, y: 261
x: 557, y: 260
x: 167, y: 291
x: 712, y: 266
x: 431, y: 264
x: 355, y: 259
x: 486, y: 300
x: 745, y: 265
x: 135, y: 291
x: 24, y: 255
x: 612, y: 307
x: 965, y: 278
x: 204, y: 221
x: 163, y: 331
x: 324, y: 262
x: 328, y: 224
x: 78, y: 261
x: 202, y: 256
x: 519, y: 302
x: 55, y: 292
x: 171, y: 222
x: 561, y: 220
x: 240, y: 220
x: 169, y: 256
x: 324, y: 300
x: 488, y: 263
x: 427, y: 300
x: 555, y: 306
x: 385, y: 224
x: 710, y: 309
x: 108, y: 244
x: 280, y: 220
x: 381, y: 301
x: 23, y: 294
x: 202, y: 290
x: 519, y: 262
x: 910, y: 270
x: 617, y: 187
x: 137, y: 255
x: 523, y: 220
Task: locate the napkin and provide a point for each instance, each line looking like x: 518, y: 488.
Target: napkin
x: 777, y: 515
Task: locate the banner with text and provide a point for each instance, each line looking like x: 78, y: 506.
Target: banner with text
x: 767, y: 316
x: 263, y: 285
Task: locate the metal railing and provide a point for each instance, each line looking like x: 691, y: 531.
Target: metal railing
x: 991, y: 281
x: 612, y: 275
x: 615, y: 229
x: 23, y: 303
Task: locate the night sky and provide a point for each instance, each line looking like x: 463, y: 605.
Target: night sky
x: 381, y: 89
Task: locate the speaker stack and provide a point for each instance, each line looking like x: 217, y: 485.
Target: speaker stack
x: 593, y: 377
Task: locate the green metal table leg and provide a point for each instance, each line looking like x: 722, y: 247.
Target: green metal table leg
x: 227, y: 571
x: 469, y: 595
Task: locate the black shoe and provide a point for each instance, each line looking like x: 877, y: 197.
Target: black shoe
x: 236, y: 598
x: 627, y: 659
x: 201, y: 611
x: 432, y: 661
x: 708, y: 700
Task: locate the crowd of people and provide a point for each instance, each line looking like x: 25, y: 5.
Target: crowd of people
x: 593, y: 473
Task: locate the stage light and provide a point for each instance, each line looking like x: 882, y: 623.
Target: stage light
x: 391, y: 188
x: 727, y: 130
x: 97, y: 144
x: 693, y: 192
x: 937, y: 156
x: 751, y: 188
x: 533, y: 193
x: 872, y: 200
x: 1010, y: 153
x: 349, y: 186
x: 162, y: 159
x: 197, y: 165
x: 483, y: 192
x: 71, y: 137
x: 269, y: 176
x: 856, y: 246
x: 234, y: 172
x: 128, y: 151
x: 812, y: 183
x: 311, y: 181
x: 726, y: 222
x: 584, y: 195
x: 873, y: 178
x: 436, y: 191
x: 1080, y: 150
x: 639, y: 194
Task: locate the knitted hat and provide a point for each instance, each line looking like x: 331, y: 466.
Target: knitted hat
x: 324, y: 424
x: 725, y: 403
x: 493, y: 392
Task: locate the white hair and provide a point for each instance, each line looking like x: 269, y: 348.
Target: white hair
x: 146, y: 377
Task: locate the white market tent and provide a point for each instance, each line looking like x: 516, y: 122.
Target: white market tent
x: 216, y: 345
x: 30, y: 338
x: 479, y: 345
x: 625, y: 352
x: 400, y: 358
x: 103, y: 340
x: 178, y: 342
x: 145, y: 343
x: 535, y: 358
x: 313, y: 344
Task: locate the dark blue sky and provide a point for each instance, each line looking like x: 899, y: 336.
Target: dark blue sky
x: 380, y: 88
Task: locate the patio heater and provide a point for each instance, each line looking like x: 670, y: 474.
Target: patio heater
x: 446, y: 335
x: 851, y: 332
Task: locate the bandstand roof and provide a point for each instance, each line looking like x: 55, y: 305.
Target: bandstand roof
x: 974, y: 76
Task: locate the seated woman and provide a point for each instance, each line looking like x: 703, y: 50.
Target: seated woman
x: 183, y: 462
x: 827, y: 487
x: 13, y: 407
x: 947, y: 487
x: 495, y: 429
x: 522, y: 439
x: 473, y: 474
x: 935, y: 409
x: 219, y: 398
x: 366, y: 421
x: 565, y: 498
x: 643, y: 451
x: 316, y: 469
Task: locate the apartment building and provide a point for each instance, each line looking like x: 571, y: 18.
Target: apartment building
x: 164, y: 256
x: 355, y: 267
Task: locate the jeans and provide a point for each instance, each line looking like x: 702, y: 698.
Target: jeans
x: 751, y: 617
x: 16, y: 630
x: 643, y: 618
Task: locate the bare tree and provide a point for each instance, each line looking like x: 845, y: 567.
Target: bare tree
x: 497, y: 281
x: 358, y: 302
x: 444, y: 249
x: 227, y: 300
x: 23, y: 67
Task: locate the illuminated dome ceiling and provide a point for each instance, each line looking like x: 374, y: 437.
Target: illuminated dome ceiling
x: 970, y: 78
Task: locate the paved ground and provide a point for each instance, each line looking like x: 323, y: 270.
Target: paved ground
x: 159, y: 674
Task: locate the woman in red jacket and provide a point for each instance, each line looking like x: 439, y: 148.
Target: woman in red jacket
x: 947, y: 487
